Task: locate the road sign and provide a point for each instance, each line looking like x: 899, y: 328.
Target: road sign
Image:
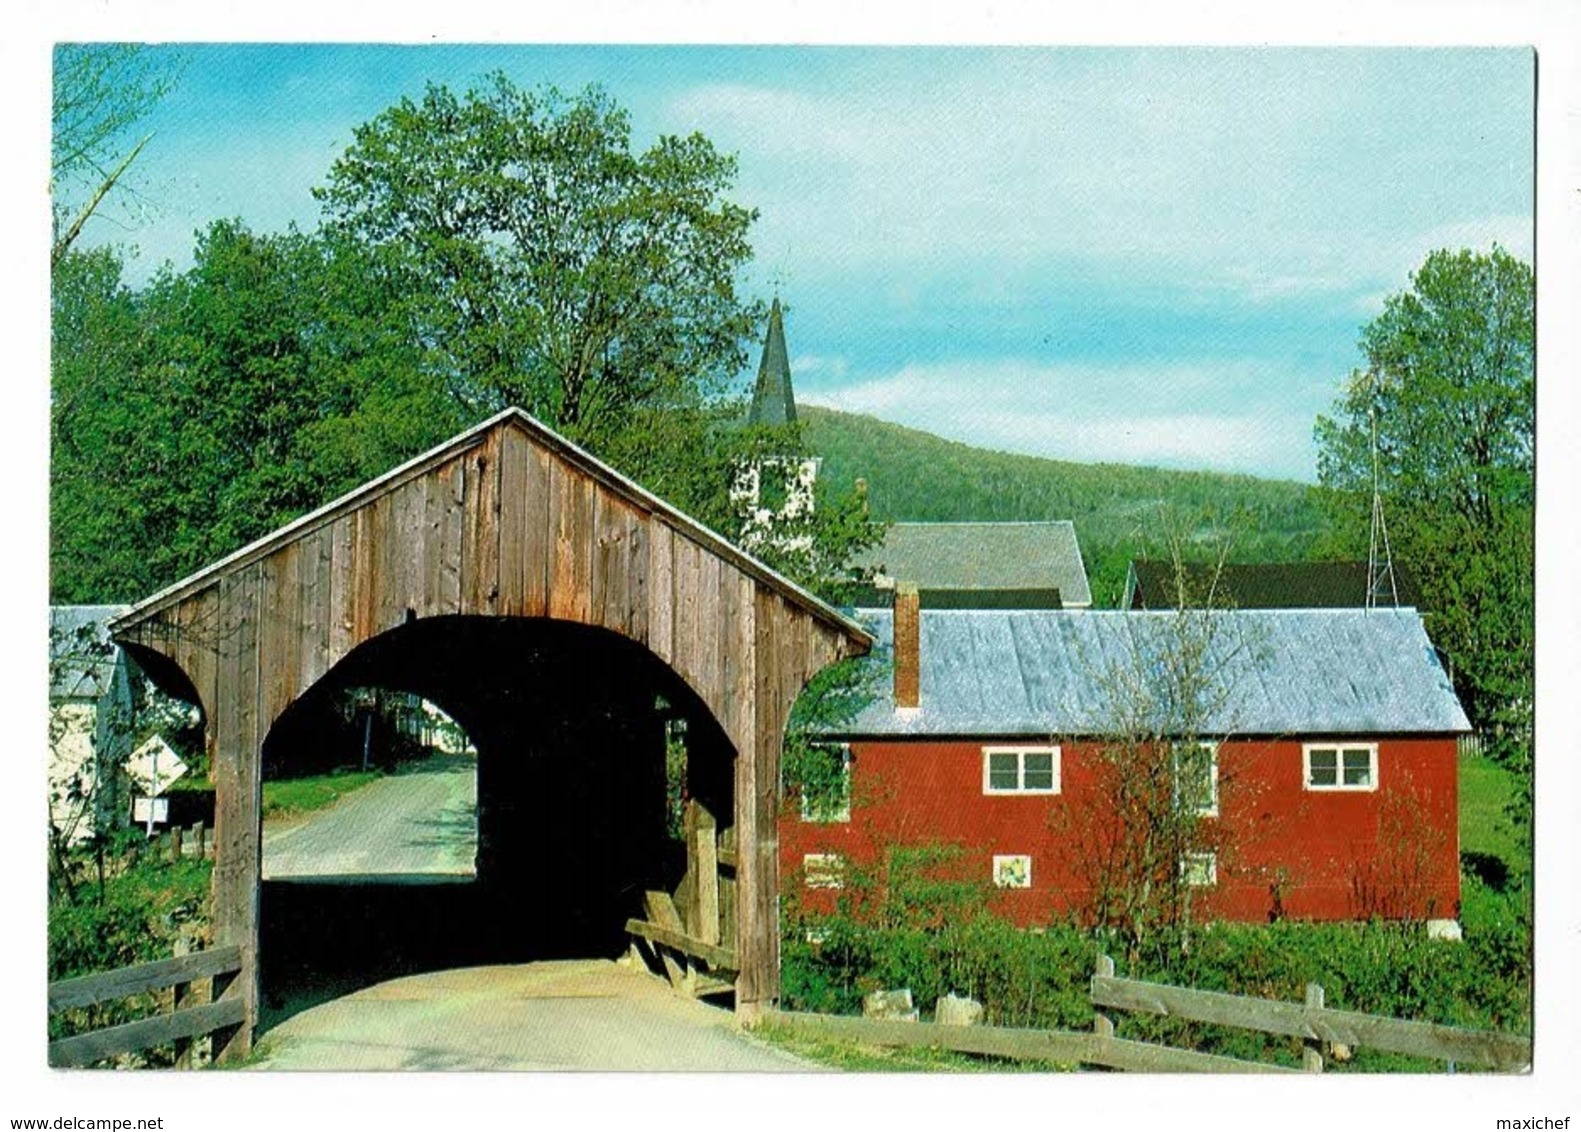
x: 150, y: 810
x: 154, y: 766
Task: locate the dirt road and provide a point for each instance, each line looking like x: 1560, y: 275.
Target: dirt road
x: 562, y: 1015
x: 420, y: 820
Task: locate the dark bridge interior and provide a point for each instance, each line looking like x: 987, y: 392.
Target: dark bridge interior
x: 570, y: 725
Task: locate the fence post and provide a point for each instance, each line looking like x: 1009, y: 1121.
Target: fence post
x: 175, y: 843
x: 1102, y: 1024
x: 197, y: 835
x: 1312, y: 1048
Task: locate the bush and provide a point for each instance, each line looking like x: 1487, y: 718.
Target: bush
x: 144, y: 905
x: 1040, y: 979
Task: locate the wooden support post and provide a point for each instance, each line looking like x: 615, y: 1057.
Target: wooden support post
x: 198, y: 831
x: 705, y: 921
x: 662, y: 911
x: 1312, y: 1048
x: 175, y: 843
x: 686, y: 891
x: 1102, y: 1024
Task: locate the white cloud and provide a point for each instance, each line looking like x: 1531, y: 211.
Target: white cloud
x: 1265, y: 174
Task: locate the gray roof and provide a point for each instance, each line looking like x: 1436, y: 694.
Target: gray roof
x: 1053, y: 672
x: 82, y: 660
x: 991, y: 556
x: 773, y: 403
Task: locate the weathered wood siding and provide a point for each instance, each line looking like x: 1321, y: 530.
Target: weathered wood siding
x: 506, y: 521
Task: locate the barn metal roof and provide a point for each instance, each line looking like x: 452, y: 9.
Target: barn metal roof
x: 1049, y: 672
x: 82, y: 659
x: 985, y: 556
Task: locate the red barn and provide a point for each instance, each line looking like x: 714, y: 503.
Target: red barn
x: 1326, y: 784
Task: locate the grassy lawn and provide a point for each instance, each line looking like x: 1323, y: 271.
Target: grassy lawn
x: 850, y: 1057
x: 285, y: 797
x: 1485, y: 829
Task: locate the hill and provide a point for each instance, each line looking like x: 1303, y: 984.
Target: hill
x: 914, y: 475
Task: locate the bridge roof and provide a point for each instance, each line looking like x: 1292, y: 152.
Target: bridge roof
x: 633, y: 493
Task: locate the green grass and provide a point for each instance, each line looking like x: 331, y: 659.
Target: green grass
x: 852, y: 1057
x: 1485, y: 828
x: 287, y: 796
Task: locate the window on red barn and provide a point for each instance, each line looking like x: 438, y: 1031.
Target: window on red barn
x: 1013, y: 871
x: 1341, y: 766
x: 1196, y: 767
x: 1200, y: 870
x: 1020, y: 770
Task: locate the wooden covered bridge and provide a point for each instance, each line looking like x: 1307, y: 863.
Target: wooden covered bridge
x: 547, y: 604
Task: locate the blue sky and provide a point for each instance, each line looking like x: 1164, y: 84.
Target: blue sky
x: 1142, y: 255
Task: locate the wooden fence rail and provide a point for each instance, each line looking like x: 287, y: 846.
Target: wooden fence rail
x: 1313, y: 1022
x: 1310, y: 1021
x: 187, y: 1020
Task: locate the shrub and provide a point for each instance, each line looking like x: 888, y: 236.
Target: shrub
x: 144, y: 905
x: 888, y: 938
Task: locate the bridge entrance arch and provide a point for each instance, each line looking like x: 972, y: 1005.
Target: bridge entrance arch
x: 511, y: 526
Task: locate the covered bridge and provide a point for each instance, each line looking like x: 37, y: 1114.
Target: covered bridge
x: 550, y: 606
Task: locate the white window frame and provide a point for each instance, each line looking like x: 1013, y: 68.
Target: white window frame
x: 811, y: 814
x: 1006, y: 861
x: 1021, y: 754
x: 1207, y: 861
x: 1339, y: 748
x: 823, y: 870
x: 1211, y: 810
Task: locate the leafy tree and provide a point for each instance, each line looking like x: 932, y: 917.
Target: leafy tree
x: 504, y: 247
x: 1143, y: 832
x: 1449, y: 386
x: 543, y: 263
x: 218, y: 403
x: 101, y: 91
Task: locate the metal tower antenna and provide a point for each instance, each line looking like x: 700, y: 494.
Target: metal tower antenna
x: 1381, y: 589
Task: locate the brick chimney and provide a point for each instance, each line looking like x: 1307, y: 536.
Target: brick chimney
x: 908, y: 637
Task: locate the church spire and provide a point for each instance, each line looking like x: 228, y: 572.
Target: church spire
x: 772, y: 400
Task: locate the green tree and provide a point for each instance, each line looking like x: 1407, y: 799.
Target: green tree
x: 1143, y: 833
x: 101, y: 91
x: 218, y: 403
x: 1449, y: 387
x: 545, y: 264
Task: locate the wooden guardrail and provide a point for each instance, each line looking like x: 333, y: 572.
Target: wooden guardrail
x: 188, y: 1018
x: 1310, y: 1021
x: 692, y: 936
x: 1316, y: 1025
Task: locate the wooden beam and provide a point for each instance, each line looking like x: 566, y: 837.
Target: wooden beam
x: 85, y: 1049
x: 89, y: 990
x: 717, y: 958
x: 706, y: 922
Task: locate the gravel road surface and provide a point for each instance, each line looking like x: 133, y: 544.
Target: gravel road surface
x: 420, y: 820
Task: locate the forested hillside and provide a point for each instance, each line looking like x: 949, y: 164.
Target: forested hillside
x: 1116, y: 508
